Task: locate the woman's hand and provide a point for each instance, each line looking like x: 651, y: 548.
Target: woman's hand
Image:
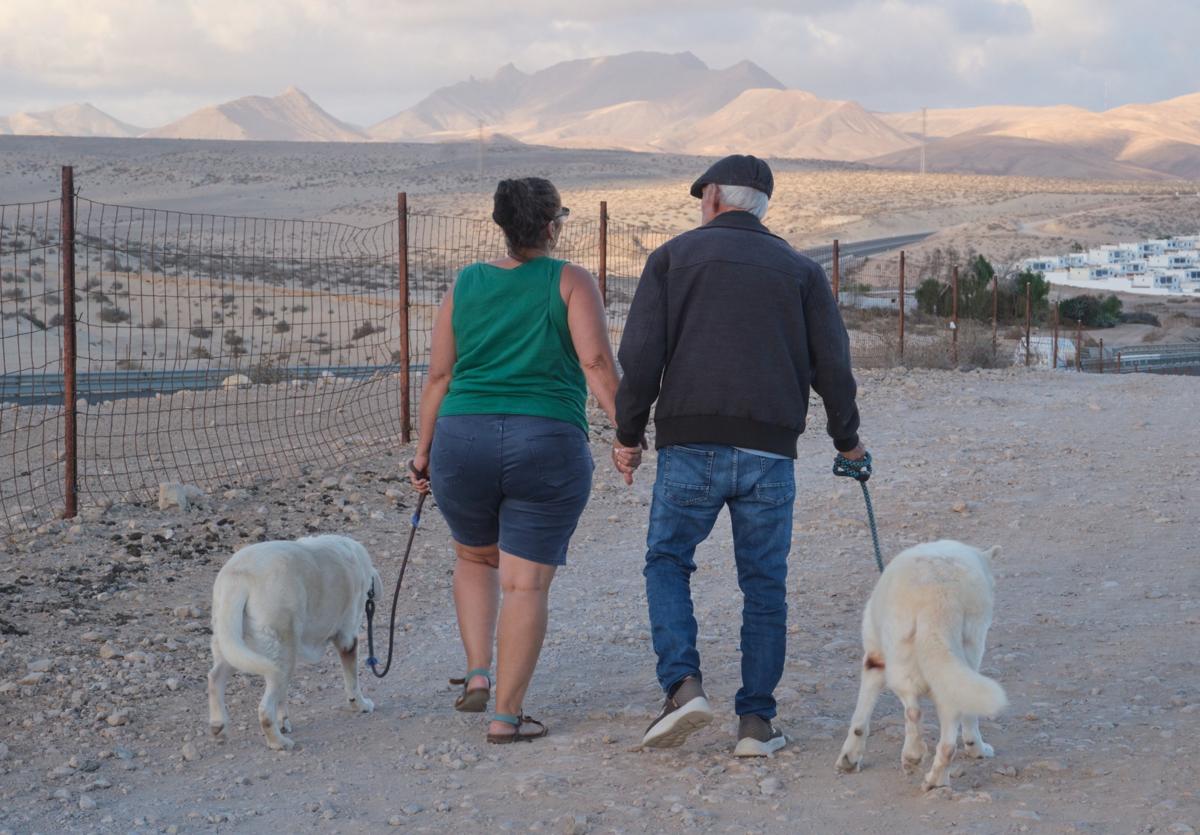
x: 627, y: 459
x: 418, y: 472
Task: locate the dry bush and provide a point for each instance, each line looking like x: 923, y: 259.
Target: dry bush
x: 113, y: 315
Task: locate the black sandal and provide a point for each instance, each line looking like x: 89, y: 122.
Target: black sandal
x: 516, y: 720
x: 473, y: 700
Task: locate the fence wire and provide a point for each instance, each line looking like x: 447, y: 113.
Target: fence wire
x: 220, y: 351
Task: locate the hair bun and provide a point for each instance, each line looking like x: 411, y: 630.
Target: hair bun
x: 522, y: 208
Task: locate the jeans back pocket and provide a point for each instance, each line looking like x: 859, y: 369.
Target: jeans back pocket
x: 686, y: 475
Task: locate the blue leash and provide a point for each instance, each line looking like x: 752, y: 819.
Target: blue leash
x: 860, y: 471
x: 372, y: 661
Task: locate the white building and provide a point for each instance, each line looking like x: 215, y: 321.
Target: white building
x: 1158, y: 267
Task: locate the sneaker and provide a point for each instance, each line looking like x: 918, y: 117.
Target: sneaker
x: 757, y: 737
x: 685, y: 710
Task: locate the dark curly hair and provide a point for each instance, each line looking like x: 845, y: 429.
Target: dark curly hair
x: 522, y: 208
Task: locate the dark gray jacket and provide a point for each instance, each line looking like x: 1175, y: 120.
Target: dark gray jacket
x: 729, y: 329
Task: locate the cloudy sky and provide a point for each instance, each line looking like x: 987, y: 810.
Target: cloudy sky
x: 151, y: 61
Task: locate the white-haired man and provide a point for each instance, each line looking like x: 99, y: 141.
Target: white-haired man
x: 728, y: 331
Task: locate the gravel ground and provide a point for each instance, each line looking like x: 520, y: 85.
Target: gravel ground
x: 1087, y: 482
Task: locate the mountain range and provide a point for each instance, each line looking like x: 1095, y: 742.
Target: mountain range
x: 648, y: 101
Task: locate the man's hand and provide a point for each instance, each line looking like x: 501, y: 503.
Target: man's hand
x: 627, y: 459
x: 856, y: 454
x: 418, y: 472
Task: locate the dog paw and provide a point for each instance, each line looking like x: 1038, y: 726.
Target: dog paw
x: 286, y: 726
x: 215, y: 728
x: 283, y: 743
x: 930, y: 783
x: 849, y: 762
x: 979, y: 751
x: 364, y: 705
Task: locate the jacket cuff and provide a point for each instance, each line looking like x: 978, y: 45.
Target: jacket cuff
x: 627, y: 440
x: 845, y: 444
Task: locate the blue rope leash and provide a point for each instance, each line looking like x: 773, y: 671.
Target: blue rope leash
x: 860, y: 471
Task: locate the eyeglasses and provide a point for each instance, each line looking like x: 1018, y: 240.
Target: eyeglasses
x: 563, y: 213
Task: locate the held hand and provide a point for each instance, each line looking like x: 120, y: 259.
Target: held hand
x: 627, y: 460
x: 856, y: 454
x: 855, y: 464
x: 418, y: 472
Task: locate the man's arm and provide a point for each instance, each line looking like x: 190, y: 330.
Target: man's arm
x: 643, y: 352
x: 829, y: 351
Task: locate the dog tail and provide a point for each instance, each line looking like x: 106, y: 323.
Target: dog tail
x: 227, y: 624
x: 952, y: 681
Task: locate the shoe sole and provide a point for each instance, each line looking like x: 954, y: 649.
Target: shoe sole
x: 673, y: 729
x: 750, y: 747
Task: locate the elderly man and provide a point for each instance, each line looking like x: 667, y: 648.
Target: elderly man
x: 729, y: 329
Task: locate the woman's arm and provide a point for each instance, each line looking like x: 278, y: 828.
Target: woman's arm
x: 442, y: 356
x: 589, y: 334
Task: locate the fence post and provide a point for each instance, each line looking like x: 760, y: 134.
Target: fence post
x: 1118, y: 362
x: 901, y: 300
x: 954, y: 319
x: 69, y: 351
x: 995, y: 310
x: 1028, y: 322
x: 603, y: 272
x: 1079, y: 345
x: 837, y: 277
x: 1054, y: 362
x: 1102, y: 355
x: 405, y: 359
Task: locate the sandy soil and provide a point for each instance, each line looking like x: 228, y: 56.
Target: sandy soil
x: 1084, y: 480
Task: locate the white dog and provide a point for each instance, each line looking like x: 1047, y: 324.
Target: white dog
x: 274, y: 601
x: 923, y: 634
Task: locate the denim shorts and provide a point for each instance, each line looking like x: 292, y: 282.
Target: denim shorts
x: 518, y: 481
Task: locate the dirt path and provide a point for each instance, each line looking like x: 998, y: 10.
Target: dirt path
x: 1087, y: 482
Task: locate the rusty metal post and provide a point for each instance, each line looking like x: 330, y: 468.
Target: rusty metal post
x: 405, y: 358
x: 995, y: 311
x: 1118, y: 362
x: 69, y: 351
x: 901, y: 304
x: 603, y: 272
x: 954, y: 320
x: 1054, y: 361
x: 837, y: 275
x: 1102, y: 355
x: 1028, y: 323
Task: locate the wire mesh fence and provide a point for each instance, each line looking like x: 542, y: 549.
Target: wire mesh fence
x: 220, y: 351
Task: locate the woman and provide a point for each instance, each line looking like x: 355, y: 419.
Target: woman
x: 504, y: 440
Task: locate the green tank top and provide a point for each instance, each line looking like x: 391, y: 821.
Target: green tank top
x: 515, y: 355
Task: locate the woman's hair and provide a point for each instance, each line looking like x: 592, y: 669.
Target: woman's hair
x: 523, y: 207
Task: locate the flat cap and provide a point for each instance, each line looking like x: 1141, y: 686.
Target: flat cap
x: 737, y: 170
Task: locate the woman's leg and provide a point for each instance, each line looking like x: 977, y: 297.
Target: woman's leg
x: 523, y: 614
x: 477, y: 600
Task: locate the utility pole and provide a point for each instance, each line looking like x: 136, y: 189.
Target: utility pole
x: 480, y: 172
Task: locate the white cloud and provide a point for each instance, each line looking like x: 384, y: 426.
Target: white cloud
x: 149, y: 61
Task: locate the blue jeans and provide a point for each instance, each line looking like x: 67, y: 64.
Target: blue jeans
x: 694, y: 482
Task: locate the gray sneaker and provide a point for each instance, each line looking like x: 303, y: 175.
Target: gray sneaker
x: 757, y: 737
x: 686, y: 710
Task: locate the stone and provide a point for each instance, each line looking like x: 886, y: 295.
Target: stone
x: 93, y: 636
x: 172, y: 684
x: 190, y: 753
x: 395, y: 820
x: 42, y: 665
x: 769, y: 786
x: 30, y: 679
x: 236, y: 381
x: 118, y: 718
x: 411, y: 809
x: 178, y: 495
x: 1025, y: 814
x: 573, y: 825
x: 109, y: 652
x: 86, y: 803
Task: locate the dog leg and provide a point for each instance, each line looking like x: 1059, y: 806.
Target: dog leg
x: 860, y: 724
x: 273, y: 696
x: 285, y: 724
x: 914, y: 748
x: 349, y: 656
x: 218, y: 678
x: 936, y: 776
x: 973, y: 743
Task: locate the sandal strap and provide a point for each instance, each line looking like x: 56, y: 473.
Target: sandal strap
x: 478, y: 671
x: 513, y: 719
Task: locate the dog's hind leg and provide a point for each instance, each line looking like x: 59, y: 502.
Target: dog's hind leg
x: 973, y: 742
x: 285, y: 724
x: 914, y: 748
x: 860, y: 724
x: 348, y: 651
x: 273, y: 696
x: 936, y: 776
x: 218, y: 678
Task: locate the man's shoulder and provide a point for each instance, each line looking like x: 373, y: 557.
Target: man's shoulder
x: 715, y: 241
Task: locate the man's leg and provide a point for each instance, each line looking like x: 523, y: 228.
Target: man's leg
x: 682, y: 514
x: 762, y: 536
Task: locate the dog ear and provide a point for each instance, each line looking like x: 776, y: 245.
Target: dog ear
x: 991, y: 553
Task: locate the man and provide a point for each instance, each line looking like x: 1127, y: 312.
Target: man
x: 729, y: 329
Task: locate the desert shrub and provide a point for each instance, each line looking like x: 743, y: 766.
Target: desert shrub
x: 128, y: 365
x: 157, y: 322
x: 33, y: 320
x: 259, y: 313
x: 364, y: 330
x: 200, y: 333
x: 13, y: 293
x: 1091, y: 310
x: 200, y: 353
x: 232, y: 338
x: 281, y: 326
x: 1140, y: 317
x: 269, y: 370
x: 299, y: 308
x: 113, y: 315
x: 55, y: 321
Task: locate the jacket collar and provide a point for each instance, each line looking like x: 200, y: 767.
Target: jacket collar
x: 738, y: 220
